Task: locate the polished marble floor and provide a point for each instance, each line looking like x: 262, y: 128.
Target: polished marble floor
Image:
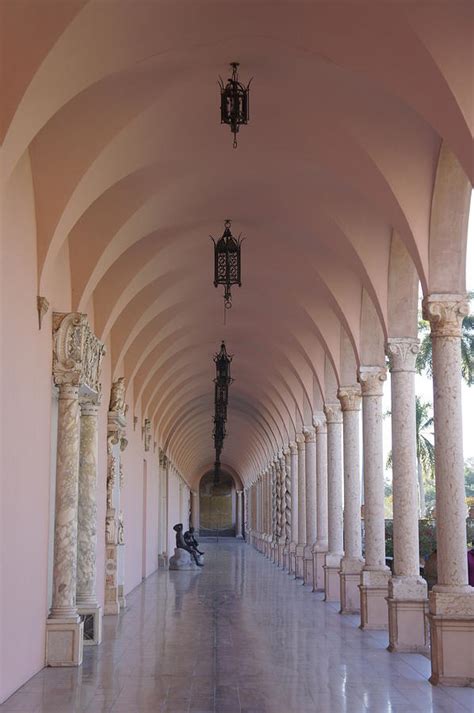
x: 240, y: 636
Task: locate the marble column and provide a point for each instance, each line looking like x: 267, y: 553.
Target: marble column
x: 320, y: 547
x: 281, y: 524
x: 352, y: 562
x: 310, y: 479
x: 293, y: 446
x: 287, y: 506
x: 407, y: 590
x: 332, y: 586
x: 239, y: 506
x: 64, y: 628
x: 451, y: 602
x: 299, y: 573
x: 274, y: 493
x: 86, y: 596
x: 375, y: 573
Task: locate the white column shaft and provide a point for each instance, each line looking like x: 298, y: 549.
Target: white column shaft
x: 310, y: 478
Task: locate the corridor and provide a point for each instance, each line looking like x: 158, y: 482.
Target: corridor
x: 240, y: 636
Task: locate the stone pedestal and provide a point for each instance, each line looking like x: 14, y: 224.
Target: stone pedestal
x: 182, y: 560
x: 407, y: 610
x: 308, y: 565
x: 373, y: 599
x: 64, y: 641
x: 299, y: 558
x: 349, y: 576
x: 451, y: 621
x: 91, y: 618
x: 332, y: 582
x: 292, y: 559
x: 319, y: 561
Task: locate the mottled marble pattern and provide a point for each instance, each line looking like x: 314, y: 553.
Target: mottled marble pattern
x: 87, y: 513
x: 239, y: 637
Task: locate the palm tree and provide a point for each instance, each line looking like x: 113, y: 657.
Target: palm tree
x: 424, y: 449
x: 424, y: 360
x: 425, y: 460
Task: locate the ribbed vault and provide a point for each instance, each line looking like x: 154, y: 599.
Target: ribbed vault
x: 116, y: 105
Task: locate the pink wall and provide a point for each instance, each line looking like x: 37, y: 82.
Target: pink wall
x: 26, y: 403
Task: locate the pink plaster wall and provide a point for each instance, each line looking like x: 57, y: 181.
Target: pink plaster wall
x: 25, y: 426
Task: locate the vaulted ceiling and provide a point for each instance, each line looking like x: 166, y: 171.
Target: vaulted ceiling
x: 117, y: 104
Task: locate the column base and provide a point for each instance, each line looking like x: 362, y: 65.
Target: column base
x: 121, y: 597
x: 91, y: 616
x: 373, y: 599
x: 280, y: 555
x: 286, y: 558
x: 451, y: 617
x: 299, y: 565
x: 308, y: 565
x: 163, y: 561
x: 64, y: 642
x: 292, y: 559
x: 407, y: 608
x: 332, y: 584
x: 349, y: 576
x: 319, y: 558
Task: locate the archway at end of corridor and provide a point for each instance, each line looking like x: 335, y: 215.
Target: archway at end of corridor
x: 218, y: 505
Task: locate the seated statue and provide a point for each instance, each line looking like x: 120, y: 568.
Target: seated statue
x: 182, y: 544
x: 191, y: 541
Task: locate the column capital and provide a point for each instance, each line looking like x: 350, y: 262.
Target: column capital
x: 309, y: 435
x: 293, y: 446
x: 319, y: 421
x: 89, y: 405
x: 445, y: 313
x: 371, y: 380
x: 77, y: 353
x: 350, y: 397
x: 300, y: 441
x: 401, y: 352
x: 333, y: 413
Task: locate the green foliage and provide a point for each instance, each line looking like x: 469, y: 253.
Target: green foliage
x: 424, y: 435
x: 469, y: 475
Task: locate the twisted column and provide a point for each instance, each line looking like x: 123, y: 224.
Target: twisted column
x: 310, y: 478
x: 301, y: 506
x: 407, y: 591
x: 333, y: 557
x: 352, y: 562
x: 375, y: 573
x: 86, y: 596
x: 294, y: 505
x: 321, y: 545
x: 451, y: 602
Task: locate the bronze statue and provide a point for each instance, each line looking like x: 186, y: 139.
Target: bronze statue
x: 191, y: 541
x: 182, y: 544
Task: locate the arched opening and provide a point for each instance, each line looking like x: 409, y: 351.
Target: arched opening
x: 217, y: 506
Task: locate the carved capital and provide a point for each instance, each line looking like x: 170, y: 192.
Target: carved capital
x: 309, y: 435
x: 300, y: 441
x: 333, y: 413
x: 445, y: 314
x: 77, y: 353
x: 319, y: 421
x: 371, y: 380
x: 146, y: 433
x: 89, y: 405
x: 293, y: 446
x: 401, y: 352
x: 350, y: 397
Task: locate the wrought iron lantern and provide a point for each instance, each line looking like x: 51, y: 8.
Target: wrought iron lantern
x: 227, y: 262
x: 223, y: 361
x: 234, y: 102
x: 222, y: 382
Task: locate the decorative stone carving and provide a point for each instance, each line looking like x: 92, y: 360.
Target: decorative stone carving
x: 445, y: 314
x: 287, y: 495
x: 77, y: 353
x: 120, y: 531
x: 117, y: 396
x: 333, y: 413
x: 42, y: 306
x: 401, y: 352
x: 147, y: 434
x: 350, y: 397
x: 371, y: 379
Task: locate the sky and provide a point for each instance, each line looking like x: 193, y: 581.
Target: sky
x: 424, y: 387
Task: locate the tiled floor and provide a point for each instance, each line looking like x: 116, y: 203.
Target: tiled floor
x: 240, y: 636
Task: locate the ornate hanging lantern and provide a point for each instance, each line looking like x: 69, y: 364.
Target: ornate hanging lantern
x: 222, y: 382
x: 223, y: 361
x: 234, y: 102
x: 227, y: 262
